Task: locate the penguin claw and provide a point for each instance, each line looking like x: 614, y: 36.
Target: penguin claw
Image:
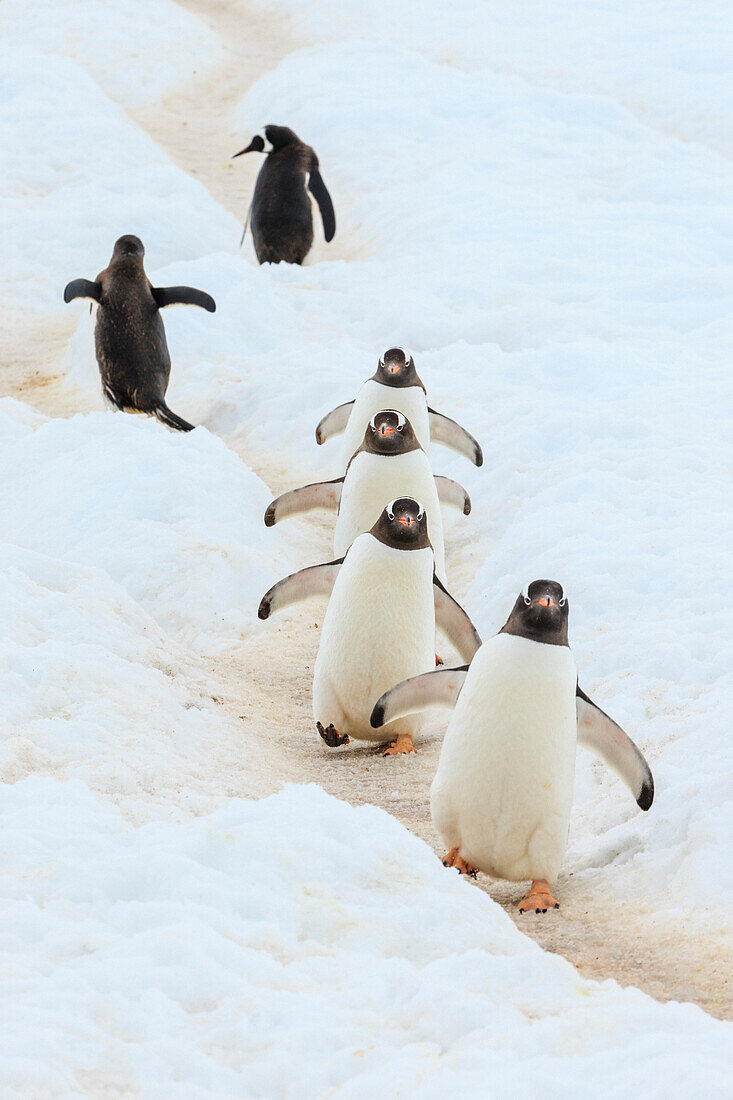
x: 331, y: 736
x: 454, y: 860
x: 401, y: 745
x: 538, y: 898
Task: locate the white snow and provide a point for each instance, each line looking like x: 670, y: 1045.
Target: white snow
x: 128, y: 555
x: 569, y: 266
x: 668, y: 63
x: 538, y: 202
x: 135, y: 50
x: 76, y: 175
x: 296, y: 947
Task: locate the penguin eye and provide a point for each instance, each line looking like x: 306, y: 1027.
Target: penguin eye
x: 562, y: 601
x: 400, y: 427
x: 527, y: 601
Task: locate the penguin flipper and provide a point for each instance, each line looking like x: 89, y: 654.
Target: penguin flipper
x: 322, y: 494
x: 452, y: 620
x: 334, y: 423
x: 600, y: 734
x: 82, y: 288
x: 440, y: 688
x: 316, y: 580
x: 446, y: 431
x: 453, y: 494
x: 182, y: 296
x: 319, y: 191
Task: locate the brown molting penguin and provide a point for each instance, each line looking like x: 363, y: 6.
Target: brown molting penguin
x: 129, y: 337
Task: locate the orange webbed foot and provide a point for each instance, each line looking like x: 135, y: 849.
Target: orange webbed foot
x: 332, y: 737
x: 401, y: 745
x: 538, y: 898
x: 454, y: 860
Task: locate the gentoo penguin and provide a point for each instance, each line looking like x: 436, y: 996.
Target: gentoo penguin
x: 502, y: 794
x: 129, y: 336
x: 280, y: 214
x: 396, y: 385
x: 389, y: 463
x: 379, y: 625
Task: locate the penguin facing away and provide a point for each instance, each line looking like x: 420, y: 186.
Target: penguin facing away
x: 385, y: 602
x: 502, y: 795
x: 280, y: 213
x: 389, y: 463
x: 129, y: 337
x: 396, y: 385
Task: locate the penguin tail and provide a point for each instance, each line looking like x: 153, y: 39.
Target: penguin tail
x: 165, y: 416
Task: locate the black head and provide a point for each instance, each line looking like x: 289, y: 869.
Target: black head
x: 397, y: 368
x: 256, y: 145
x: 389, y: 433
x: 540, y: 614
x: 128, y: 245
x: 403, y: 525
x: 280, y: 136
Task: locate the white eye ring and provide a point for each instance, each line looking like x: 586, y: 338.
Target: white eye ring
x: 390, y: 508
x: 401, y: 418
x: 561, y: 602
x: 409, y: 357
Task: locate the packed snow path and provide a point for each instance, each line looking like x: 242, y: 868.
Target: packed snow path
x: 263, y: 686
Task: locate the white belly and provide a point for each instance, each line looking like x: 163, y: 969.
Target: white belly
x: 379, y: 628
x: 372, y: 482
x: 371, y: 399
x: 504, y: 786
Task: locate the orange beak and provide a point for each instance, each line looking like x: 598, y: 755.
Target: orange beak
x: 546, y: 601
x: 384, y: 429
x: 406, y: 521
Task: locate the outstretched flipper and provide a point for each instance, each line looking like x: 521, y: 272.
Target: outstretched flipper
x: 82, y: 288
x: 165, y: 416
x: 440, y: 688
x: 334, y: 423
x: 444, y: 430
x: 318, y: 190
x: 600, y: 734
x: 450, y: 492
x: 182, y: 296
x: 316, y: 580
x: 322, y: 494
x: 453, y: 621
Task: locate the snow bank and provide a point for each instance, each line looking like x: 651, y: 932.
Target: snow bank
x: 176, y: 520
x: 77, y: 174
x: 133, y: 68
x: 557, y: 264
x: 296, y: 947
x: 664, y: 62
x: 128, y: 553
